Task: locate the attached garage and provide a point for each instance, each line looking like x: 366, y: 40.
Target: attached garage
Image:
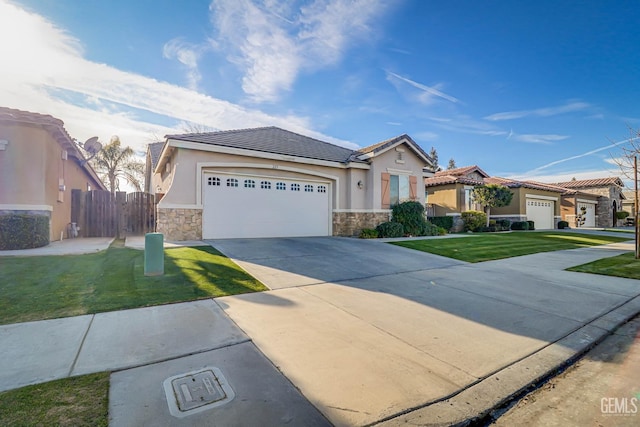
x: 247, y: 206
x: 541, y: 211
x: 588, y: 209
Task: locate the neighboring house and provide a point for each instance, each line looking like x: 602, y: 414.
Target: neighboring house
x: 39, y: 166
x: 532, y: 201
x: 628, y: 203
x: 270, y: 182
x: 609, y: 193
x: 448, y: 192
x: 151, y: 181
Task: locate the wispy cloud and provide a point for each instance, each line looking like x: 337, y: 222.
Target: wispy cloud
x: 579, y: 156
x: 428, y: 92
x: 188, y: 55
x: 539, y: 112
x: 273, y: 42
x: 537, y: 139
x: 466, y: 124
x: 97, y: 99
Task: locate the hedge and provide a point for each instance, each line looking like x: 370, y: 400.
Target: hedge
x: 390, y: 229
x: 563, y: 224
x: 474, y: 220
x: 520, y: 225
x: 23, y: 231
x: 445, y: 222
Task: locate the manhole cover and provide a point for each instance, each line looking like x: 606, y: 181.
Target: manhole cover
x: 197, y: 391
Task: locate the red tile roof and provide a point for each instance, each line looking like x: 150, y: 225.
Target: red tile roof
x: 513, y: 183
x: 449, y: 179
x: 461, y: 171
x: 585, y: 183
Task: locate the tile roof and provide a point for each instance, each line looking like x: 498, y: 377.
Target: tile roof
x: 461, y: 171
x: 450, y: 179
x: 273, y: 140
x: 514, y: 183
x: 597, y: 182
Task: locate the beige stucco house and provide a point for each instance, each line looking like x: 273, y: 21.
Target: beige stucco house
x: 609, y: 197
x: 270, y: 182
x: 450, y: 192
x: 39, y: 166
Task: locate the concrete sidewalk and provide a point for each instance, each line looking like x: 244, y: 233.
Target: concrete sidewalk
x: 412, y: 338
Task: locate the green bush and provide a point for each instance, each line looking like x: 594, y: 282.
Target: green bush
x: 520, y: 225
x: 411, y: 216
x: 531, y: 225
x: 621, y: 214
x: 23, y: 231
x: 563, y: 224
x: 473, y: 220
x: 445, y: 222
x: 390, y: 229
x: 503, y: 225
x: 368, y: 233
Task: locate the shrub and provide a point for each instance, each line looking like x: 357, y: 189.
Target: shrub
x: 368, y: 233
x: 489, y: 229
x: 411, y: 216
x: 23, y: 231
x: 473, y: 220
x: 520, y: 225
x: 621, y: 214
x: 445, y: 222
x: 503, y: 225
x: 390, y: 229
x: 563, y: 224
x: 531, y: 225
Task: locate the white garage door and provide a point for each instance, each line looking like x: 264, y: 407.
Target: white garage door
x: 589, y: 214
x: 236, y: 206
x: 541, y: 213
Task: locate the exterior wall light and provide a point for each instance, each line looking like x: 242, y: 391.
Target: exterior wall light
x: 360, y: 185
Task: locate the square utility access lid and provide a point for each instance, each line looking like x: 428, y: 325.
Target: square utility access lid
x: 197, y: 391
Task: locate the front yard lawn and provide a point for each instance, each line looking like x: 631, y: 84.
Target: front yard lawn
x: 36, y: 288
x: 75, y: 401
x: 624, y: 265
x: 486, y: 247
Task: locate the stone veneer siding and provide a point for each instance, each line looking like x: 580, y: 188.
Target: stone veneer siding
x: 180, y: 224
x: 351, y: 223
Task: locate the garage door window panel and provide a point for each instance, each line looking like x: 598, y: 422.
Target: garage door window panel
x: 232, y: 182
x: 265, y: 185
x: 249, y: 183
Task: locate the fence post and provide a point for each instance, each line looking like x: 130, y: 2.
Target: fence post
x: 121, y: 214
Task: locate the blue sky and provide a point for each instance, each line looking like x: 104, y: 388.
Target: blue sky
x: 529, y: 89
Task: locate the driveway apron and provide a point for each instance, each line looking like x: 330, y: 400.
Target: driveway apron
x: 369, y: 331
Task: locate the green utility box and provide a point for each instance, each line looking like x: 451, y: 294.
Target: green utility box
x: 154, y: 254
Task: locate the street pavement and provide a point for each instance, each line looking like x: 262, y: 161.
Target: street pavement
x: 353, y: 332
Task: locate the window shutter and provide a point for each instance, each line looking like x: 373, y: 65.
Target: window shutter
x: 413, y: 188
x: 386, y: 194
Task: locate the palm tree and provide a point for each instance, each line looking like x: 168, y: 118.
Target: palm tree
x: 114, y: 162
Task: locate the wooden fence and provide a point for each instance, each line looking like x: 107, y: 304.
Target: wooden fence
x: 99, y: 213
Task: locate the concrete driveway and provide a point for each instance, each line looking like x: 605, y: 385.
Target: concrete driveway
x: 374, y: 333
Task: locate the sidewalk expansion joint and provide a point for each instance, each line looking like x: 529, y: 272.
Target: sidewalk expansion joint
x: 84, y: 337
x: 181, y: 356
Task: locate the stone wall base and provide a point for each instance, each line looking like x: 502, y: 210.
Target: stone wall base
x: 180, y: 224
x: 351, y: 223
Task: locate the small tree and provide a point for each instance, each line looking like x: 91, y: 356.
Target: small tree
x: 434, y: 156
x: 452, y: 164
x: 114, y: 162
x: 492, y: 196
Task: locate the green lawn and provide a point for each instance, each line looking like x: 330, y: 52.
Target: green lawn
x: 76, y: 401
x: 36, y: 288
x: 624, y: 265
x: 489, y: 246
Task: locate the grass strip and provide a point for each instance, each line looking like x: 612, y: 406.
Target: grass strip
x: 46, y: 287
x: 76, y: 401
x: 624, y: 265
x: 490, y: 246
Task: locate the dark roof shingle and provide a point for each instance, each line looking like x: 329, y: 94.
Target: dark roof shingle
x: 272, y: 140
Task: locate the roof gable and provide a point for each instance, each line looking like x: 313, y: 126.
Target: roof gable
x: 272, y: 140
x: 384, y: 146
x: 466, y: 170
x: 154, y: 151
